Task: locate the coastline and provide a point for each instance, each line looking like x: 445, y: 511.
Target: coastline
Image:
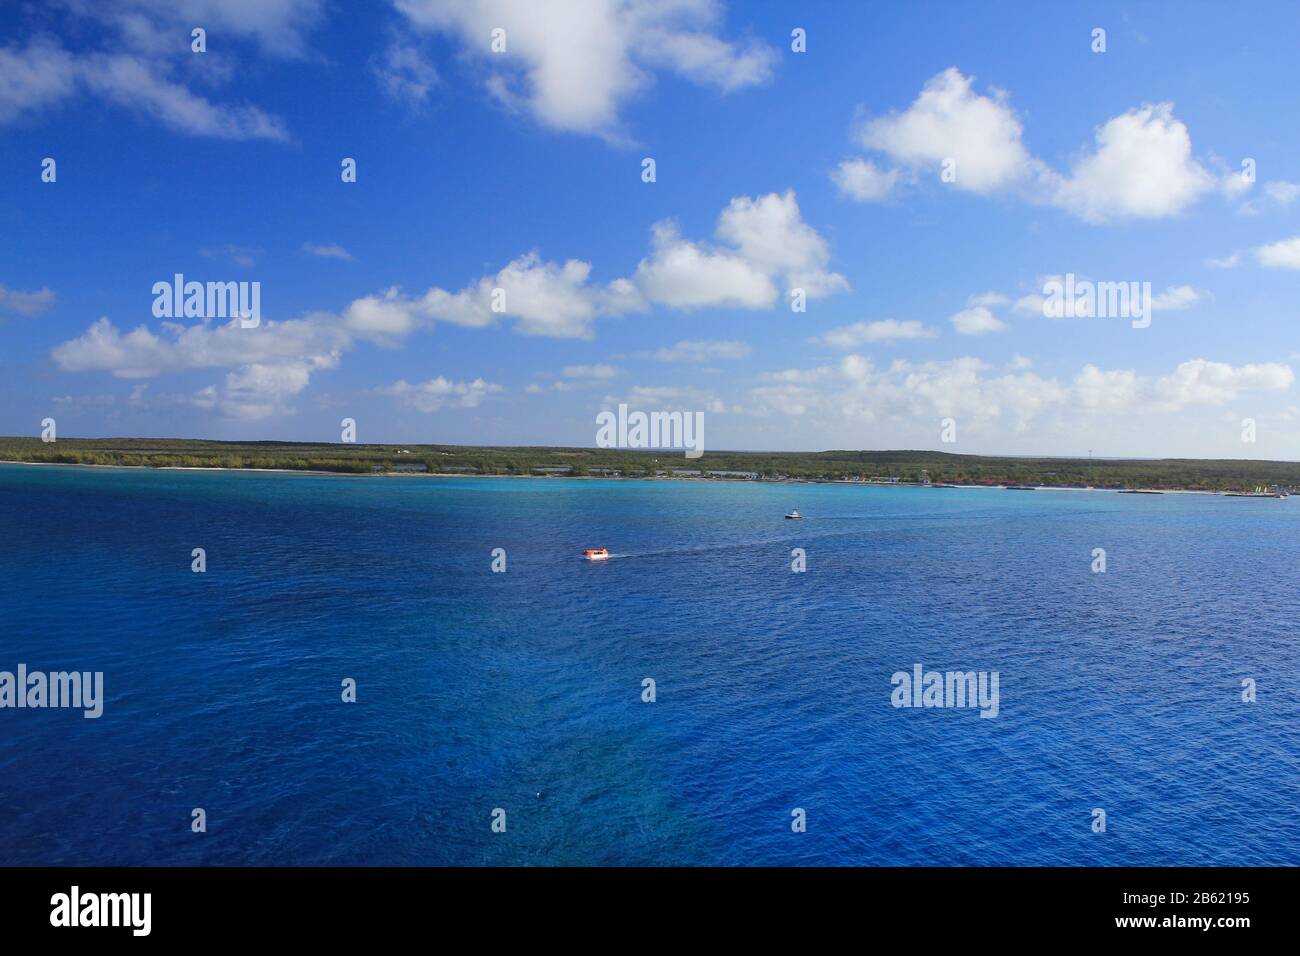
x: 737, y: 481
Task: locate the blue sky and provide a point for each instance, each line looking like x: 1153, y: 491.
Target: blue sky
x: 775, y: 170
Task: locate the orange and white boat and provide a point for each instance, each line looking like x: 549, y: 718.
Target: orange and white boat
x: 596, y: 554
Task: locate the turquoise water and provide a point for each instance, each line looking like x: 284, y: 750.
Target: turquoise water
x: 522, y: 690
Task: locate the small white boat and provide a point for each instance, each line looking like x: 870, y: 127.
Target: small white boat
x: 794, y: 516
x: 596, y: 554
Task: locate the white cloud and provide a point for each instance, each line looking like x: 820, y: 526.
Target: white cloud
x: 600, y: 372
x: 702, y: 350
x: 863, y: 180
x: 989, y: 299
x: 770, y: 233
x: 1284, y: 254
x: 132, y: 84
x: 854, y: 390
x: 404, y: 74
x: 382, y: 319
x: 1172, y: 299
x: 1227, y: 262
x: 767, y: 242
x: 1281, y: 192
x: 328, y: 251
x: 977, y: 320
x: 1141, y: 165
x: 1235, y: 185
x: 1201, y: 382
x: 258, y: 391
x: 544, y: 298
x: 139, y: 50
x: 669, y: 398
x: 684, y: 275
x: 25, y: 303
x: 572, y: 63
x: 948, y: 120
x: 1278, y: 192
x: 1115, y: 390
x: 268, y: 364
x: 438, y: 393
x: 278, y: 27
x: 141, y: 353
x: 1176, y: 298
x: 36, y: 77
x: 1142, y: 168
x: 864, y: 333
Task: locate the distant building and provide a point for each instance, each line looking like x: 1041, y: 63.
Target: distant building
x: 746, y: 475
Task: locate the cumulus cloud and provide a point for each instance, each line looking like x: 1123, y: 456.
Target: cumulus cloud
x: 438, y: 393
x: 1172, y: 299
x: 770, y: 233
x: 141, y: 353
x: 856, y: 390
x: 1201, y: 382
x: 949, y: 120
x: 267, y: 364
x: 670, y: 398
x: 573, y: 63
x: 1176, y: 298
x: 1283, y: 254
x: 866, y: 333
x: 766, y: 244
x: 543, y: 298
x: 686, y: 275
x: 765, y: 241
x: 384, y: 319
x: 977, y: 320
x: 1140, y: 166
x: 863, y: 180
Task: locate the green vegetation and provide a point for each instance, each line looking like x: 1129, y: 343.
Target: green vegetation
x: 908, y: 466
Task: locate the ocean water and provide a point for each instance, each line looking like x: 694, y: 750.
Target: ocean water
x: 522, y: 690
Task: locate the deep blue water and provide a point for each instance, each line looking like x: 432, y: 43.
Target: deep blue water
x: 522, y: 690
